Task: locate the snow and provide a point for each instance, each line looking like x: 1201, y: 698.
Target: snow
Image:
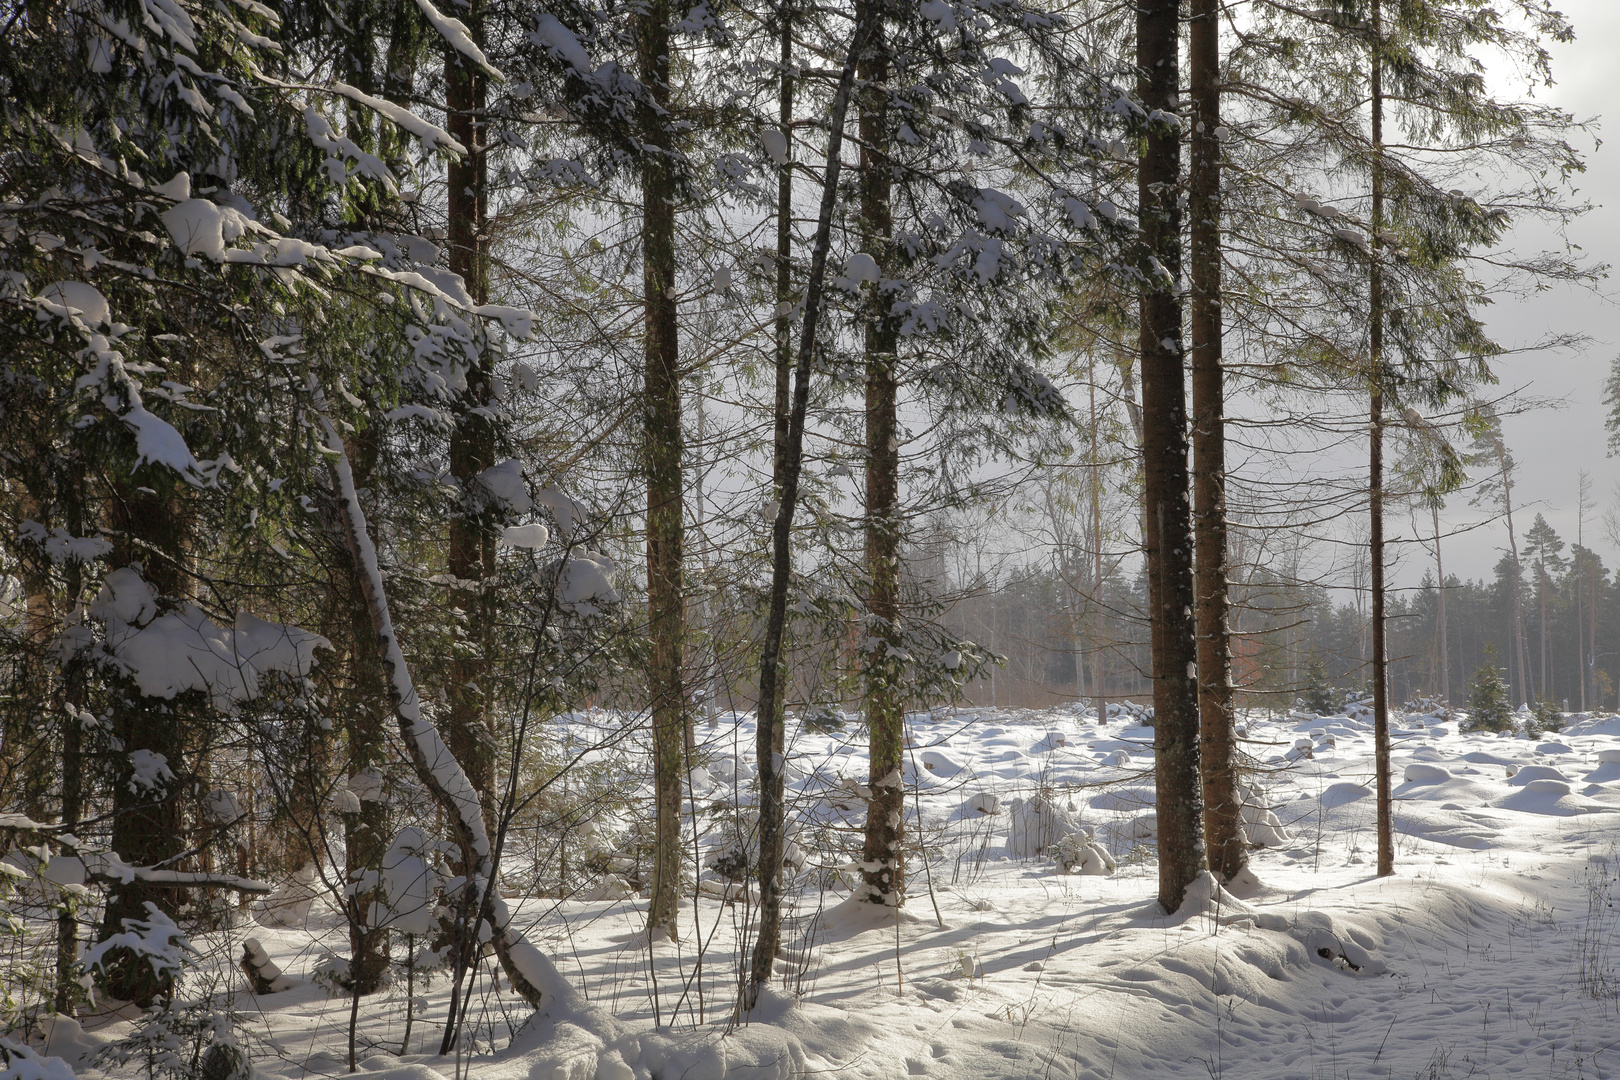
x: 567, y: 513
x: 504, y: 480
x: 525, y: 536
x: 997, y: 211
x: 149, y: 772
x: 861, y: 268
x: 155, y: 939
x: 62, y: 546
x: 940, y: 14
x: 775, y: 144
x: 18, y: 1062
x: 159, y: 443
x: 432, y: 136
x: 201, y: 227
x: 186, y: 650
x: 1057, y: 964
x: 75, y: 298
x: 584, y: 581
x: 454, y: 32
x: 409, y: 886
x: 550, y: 34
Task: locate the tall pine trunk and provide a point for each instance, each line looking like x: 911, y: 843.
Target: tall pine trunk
x: 883, y: 870
x: 1099, y: 610
x: 1167, y: 533
x: 1375, y: 468
x: 1445, y: 645
x: 366, y: 833
x: 73, y: 685
x: 1520, y: 653
x: 472, y: 441
x: 147, y: 823
x: 666, y: 615
x: 1223, y: 810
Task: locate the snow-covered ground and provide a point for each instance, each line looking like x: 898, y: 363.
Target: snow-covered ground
x: 1493, y: 951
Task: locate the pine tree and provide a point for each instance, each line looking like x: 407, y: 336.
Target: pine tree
x: 1488, y: 706
x: 1167, y: 532
x: 1223, y: 810
x: 1542, y: 546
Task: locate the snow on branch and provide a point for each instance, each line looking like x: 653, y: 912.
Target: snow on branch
x: 533, y: 975
x: 455, y: 33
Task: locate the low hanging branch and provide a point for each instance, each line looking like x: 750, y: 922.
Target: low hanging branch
x: 87, y: 863
x: 532, y: 974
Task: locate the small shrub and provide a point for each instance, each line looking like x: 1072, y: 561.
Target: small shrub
x: 1488, y: 708
x: 824, y: 719
x: 1317, y: 696
x: 1546, y: 718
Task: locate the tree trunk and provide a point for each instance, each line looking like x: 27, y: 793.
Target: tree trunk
x: 770, y: 735
x: 472, y: 442
x: 531, y: 974
x: 1167, y: 533
x: 883, y: 870
x: 1520, y: 652
x: 1099, y: 610
x: 1445, y: 648
x: 666, y: 616
x: 146, y: 822
x: 1223, y: 809
x: 73, y: 681
x: 1375, y: 470
x: 770, y: 764
x: 1541, y: 587
x: 365, y: 834
x: 470, y: 560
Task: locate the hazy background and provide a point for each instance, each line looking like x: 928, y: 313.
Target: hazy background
x: 1553, y: 445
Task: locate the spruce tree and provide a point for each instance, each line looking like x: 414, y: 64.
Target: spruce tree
x: 1488, y: 705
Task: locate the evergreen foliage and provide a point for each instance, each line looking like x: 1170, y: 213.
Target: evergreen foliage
x: 1488, y: 707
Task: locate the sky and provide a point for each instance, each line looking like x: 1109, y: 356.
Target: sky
x: 1553, y: 444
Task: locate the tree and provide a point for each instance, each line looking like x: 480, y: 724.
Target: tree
x: 1490, y: 451
x: 788, y: 459
x: 1581, y: 559
x: 1167, y: 533
x: 1488, y: 706
x: 1223, y: 810
x: 664, y: 441
x: 1542, y: 546
x: 883, y: 871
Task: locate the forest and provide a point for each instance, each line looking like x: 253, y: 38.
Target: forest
x: 632, y: 539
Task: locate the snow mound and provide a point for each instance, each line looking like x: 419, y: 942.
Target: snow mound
x: 1342, y: 794
x: 756, y: 1051
x: 1421, y: 773
x: 1529, y: 774
x: 1205, y: 896
x: 1550, y: 797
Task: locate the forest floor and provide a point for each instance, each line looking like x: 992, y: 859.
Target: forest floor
x: 1494, y: 951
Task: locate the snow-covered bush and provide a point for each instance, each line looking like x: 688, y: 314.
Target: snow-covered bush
x: 1546, y: 717
x: 1037, y: 823
x: 1488, y: 706
x: 1079, y: 853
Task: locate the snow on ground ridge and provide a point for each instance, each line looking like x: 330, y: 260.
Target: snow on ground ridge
x: 1471, y: 959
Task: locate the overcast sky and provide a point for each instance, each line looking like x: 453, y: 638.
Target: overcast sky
x: 1553, y: 445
